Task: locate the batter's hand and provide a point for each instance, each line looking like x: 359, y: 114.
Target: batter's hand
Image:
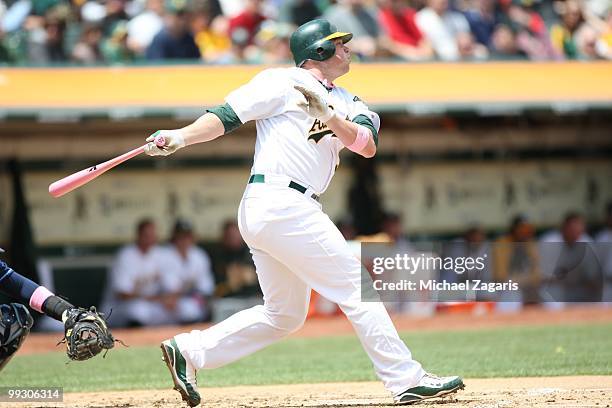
x: 174, y: 141
x: 314, y: 105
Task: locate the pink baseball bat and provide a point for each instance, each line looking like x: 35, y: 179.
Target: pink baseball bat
x: 76, y: 180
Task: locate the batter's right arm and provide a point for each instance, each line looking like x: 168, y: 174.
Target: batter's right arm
x: 214, y: 123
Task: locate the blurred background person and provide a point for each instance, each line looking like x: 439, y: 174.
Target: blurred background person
x: 115, y: 13
x: 392, y: 227
x: 272, y: 42
x: 187, y: 277
x: 298, y: 12
x: 603, y: 242
x: 404, y: 37
x: 46, y: 40
x: 516, y: 258
x: 115, y: 48
x: 87, y: 49
x: 240, y: 47
x: 136, y: 281
x: 233, y: 266
x: 503, y: 44
x: 448, y: 32
x: 248, y: 20
x: 354, y: 16
x: 5, y: 54
x: 236, y: 281
x: 604, y: 41
x: 473, y: 244
x: 483, y: 20
x: 586, y: 42
x: 570, y: 263
x: 572, y: 230
x: 563, y: 34
x: 143, y: 27
x: 211, y: 34
x: 532, y: 35
x: 601, y: 28
x: 175, y: 40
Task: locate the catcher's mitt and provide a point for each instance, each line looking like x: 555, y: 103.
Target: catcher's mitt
x: 86, y: 333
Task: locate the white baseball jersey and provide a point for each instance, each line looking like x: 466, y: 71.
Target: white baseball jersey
x: 295, y: 245
x: 289, y: 141
x: 183, y: 274
x: 135, y: 272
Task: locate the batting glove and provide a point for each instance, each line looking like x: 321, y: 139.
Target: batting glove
x: 174, y: 140
x: 314, y: 105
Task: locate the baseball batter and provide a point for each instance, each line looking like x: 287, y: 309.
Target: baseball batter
x: 303, y: 121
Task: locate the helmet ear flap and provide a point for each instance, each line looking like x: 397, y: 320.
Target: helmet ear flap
x: 323, y: 49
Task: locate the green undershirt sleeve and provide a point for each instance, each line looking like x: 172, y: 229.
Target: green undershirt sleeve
x: 227, y: 116
x: 363, y: 120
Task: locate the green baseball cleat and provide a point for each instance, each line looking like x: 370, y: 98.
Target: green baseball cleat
x: 183, y: 374
x: 430, y: 386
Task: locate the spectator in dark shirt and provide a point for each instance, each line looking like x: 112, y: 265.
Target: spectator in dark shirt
x: 115, y: 13
x: 532, y: 36
x: 55, y: 29
x: 174, y: 41
x: 298, y: 12
x: 483, y: 21
x: 233, y: 267
x: 45, y: 43
x: 503, y: 44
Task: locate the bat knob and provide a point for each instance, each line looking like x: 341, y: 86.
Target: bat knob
x: 160, y: 141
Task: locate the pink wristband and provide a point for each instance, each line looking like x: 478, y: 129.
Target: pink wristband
x: 38, y: 298
x: 361, y: 141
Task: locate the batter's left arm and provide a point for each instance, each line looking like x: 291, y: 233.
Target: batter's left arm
x: 353, y: 133
x: 359, y: 135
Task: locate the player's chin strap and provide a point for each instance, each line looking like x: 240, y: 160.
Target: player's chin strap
x: 361, y: 140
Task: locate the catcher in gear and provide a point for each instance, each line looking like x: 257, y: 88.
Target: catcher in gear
x: 86, y: 333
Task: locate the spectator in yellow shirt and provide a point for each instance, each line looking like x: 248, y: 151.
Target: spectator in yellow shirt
x: 516, y: 257
x: 563, y: 35
x: 211, y: 35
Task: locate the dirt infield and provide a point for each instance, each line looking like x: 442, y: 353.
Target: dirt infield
x: 45, y: 342
x: 587, y: 391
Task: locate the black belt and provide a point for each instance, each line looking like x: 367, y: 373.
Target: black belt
x: 260, y: 178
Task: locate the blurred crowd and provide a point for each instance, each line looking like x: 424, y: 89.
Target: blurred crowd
x: 257, y: 31
x: 565, y: 264
x: 180, y: 282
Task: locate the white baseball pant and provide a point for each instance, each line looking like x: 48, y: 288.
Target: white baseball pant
x: 296, y: 247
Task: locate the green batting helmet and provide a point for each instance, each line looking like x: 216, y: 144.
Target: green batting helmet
x: 314, y: 41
